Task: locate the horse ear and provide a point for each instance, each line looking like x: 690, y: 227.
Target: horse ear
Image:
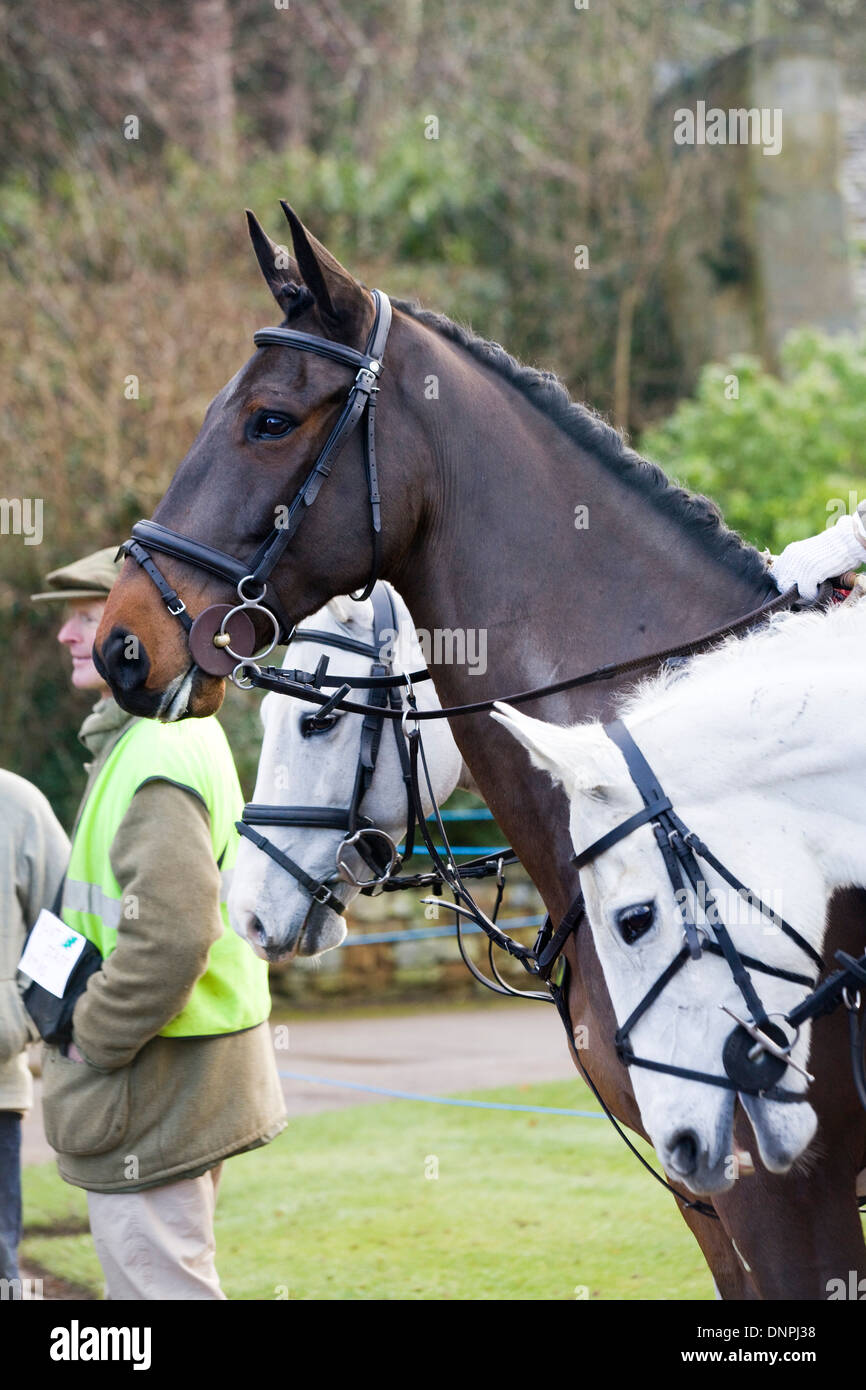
x: 576, y: 758
x: 547, y: 744
x: 279, y: 269
x: 338, y: 295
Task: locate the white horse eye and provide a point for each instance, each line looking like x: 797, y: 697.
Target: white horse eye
x: 634, y: 921
x: 311, y: 724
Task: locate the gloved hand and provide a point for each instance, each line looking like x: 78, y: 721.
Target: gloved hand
x: 808, y: 563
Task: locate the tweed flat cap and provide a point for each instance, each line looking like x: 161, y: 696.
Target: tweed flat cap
x: 90, y: 577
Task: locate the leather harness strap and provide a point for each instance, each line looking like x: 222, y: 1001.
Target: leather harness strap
x: 170, y: 597
x: 283, y: 682
x: 318, y: 889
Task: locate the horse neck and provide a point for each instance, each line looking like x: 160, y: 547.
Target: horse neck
x: 770, y: 764
x: 499, y: 553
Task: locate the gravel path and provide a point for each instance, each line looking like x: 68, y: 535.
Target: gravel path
x: 433, y: 1053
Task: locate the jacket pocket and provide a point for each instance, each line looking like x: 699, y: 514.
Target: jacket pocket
x: 14, y: 1032
x: 84, y: 1111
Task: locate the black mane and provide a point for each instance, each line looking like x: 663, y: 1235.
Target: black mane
x: 545, y: 391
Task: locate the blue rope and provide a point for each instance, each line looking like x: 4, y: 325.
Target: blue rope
x: 475, y: 850
x: 440, y: 1100
x: 426, y: 933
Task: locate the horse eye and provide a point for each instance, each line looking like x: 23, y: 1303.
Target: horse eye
x: 270, y: 424
x: 634, y: 921
x: 312, y: 725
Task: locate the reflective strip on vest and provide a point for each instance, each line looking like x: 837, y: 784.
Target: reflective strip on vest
x: 90, y: 898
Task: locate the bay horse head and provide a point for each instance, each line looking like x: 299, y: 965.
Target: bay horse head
x: 224, y: 533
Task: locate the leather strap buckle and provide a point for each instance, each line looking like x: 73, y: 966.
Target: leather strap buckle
x: 367, y: 377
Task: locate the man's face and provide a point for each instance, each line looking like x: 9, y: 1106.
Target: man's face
x: 83, y: 617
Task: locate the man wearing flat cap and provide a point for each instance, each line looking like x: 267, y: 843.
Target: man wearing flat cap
x: 169, y: 1068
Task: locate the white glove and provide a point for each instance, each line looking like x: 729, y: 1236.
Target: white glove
x: 808, y: 563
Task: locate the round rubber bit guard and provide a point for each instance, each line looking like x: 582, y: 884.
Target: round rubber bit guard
x: 217, y: 660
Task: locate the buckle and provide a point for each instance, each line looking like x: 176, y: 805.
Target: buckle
x: 181, y: 607
x: 322, y: 895
x: 367, y: 376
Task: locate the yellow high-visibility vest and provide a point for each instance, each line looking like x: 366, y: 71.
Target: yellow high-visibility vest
x: 233, y: 993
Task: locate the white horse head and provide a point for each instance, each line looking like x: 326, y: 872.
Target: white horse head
x: 758, y: 748
x: 267, y: 905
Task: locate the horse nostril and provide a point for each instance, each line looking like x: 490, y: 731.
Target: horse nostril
x: 684, y: 1153
x: 256, y: 932
x: 122, y: 660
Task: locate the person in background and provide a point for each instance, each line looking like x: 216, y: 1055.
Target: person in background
x: 826, y: 556
x: 170, y: 1068
x: 33, y: 854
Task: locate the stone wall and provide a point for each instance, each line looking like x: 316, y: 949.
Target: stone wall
x: 762, y: 245
x: 852, y: 115
x: 405, y: 969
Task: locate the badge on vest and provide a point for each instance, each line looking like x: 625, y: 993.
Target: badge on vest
x: 51, y: 953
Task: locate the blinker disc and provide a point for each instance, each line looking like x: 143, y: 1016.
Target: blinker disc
x: 219, y: 661
x: 753, y: 1073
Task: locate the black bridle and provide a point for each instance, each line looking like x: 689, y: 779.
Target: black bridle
x: 755, y: 1055
x: 375, y: 846
x: 219, y: 634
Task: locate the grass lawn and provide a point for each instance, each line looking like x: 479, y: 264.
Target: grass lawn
x: 340, y: 1207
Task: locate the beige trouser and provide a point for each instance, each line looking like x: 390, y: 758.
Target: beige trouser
x: 158, y: 1244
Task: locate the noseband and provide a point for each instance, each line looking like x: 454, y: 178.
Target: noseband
x: 756, y: 1053
x: 375, y: 846
x: 223, y: 635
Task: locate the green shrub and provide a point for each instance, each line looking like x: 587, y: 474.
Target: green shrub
x: 782, y: 458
